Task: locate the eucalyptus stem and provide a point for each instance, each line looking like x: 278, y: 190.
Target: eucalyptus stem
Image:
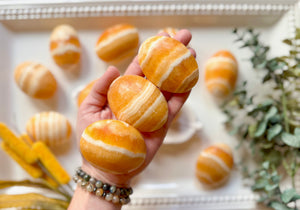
x: 284, y: 107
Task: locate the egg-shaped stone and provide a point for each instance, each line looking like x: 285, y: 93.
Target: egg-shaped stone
x: 117, y: 42
x: 221, y: 72
x: 138, y: 102
x: 35, y: 80
x: 168, y: 64
x: 214, y: 165
x: 65, y: 46
x: 52, y: 128
x: 113, y: 146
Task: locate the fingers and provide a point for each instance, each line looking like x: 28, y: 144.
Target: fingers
x: 175, y: 103
x: 134, y: 68
x: 192, y: 51
x: 97, y: 96
x: 184, y: 36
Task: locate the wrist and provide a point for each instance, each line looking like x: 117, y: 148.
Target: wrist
x: 91, y: 182
x: 120, y: 180
x: 84, y: 200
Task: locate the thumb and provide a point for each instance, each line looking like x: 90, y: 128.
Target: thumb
x: 97, y: 96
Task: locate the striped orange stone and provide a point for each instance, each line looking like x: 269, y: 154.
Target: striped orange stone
x: 35, y: 80
x: 85, y: 92
x: 138, y: 102
x: 65, y: 46
x: 214, y: 165
x: 168, y: 64
x: 117, y: 42
x: 221, y: 72
x: 113, y: 146
x: 52, y: 128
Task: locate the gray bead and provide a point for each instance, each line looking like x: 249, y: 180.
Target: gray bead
x: 99, y: 184
x: 81, y: 174
x: 79, y: 181
x: 117, y: 191
x: 112, y: 189
x: 127, y: 200
x: 90, y: 187
x: 106, y: 187
x: 92, y: 180
x: 109, y: 197
x: 83, y: 183
x: 115, y: 199
x: 122, y: 200
x: 130, y: 191
x: 75, y: 178
x: 86, y: 177
x: 78, y: 170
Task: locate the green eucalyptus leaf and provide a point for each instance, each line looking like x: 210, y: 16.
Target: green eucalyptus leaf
x: 271, y: 187
x: 261, y: 128
x: 273, y: 65
x: 274, y: 131
x: 271, y: 112
x: 262, y: 199
x: 260, y: 184
x: 250, y: 30
x: 289, y: 195
x: 261, y: 65
x: 288, y: 41
x: 249, y: 101
x: 251, y: 130
x: 267, y: 145
x: 234, y: 131
x: 276, y: 178
x: 274, y: 157
x: 267, y: 103
x: 279, y: 206
x: 266, y: 78
x: 239, y: 92
x: 266, y: 165
x: 293, y: 52
x: 290, y: 139
x: 263, y: 173
x: 297, y: 36
x: 275, y: 119
x: 297, y: 132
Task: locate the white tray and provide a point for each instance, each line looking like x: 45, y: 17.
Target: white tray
x: 169, y: 181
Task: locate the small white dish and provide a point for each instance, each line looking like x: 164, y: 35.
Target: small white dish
x: 183, y: 127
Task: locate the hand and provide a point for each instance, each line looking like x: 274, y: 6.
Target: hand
x: 95, y: 108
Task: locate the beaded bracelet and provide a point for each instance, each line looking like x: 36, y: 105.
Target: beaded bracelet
x: 109, y: 192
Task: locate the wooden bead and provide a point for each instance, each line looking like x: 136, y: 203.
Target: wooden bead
x: 51, y: 128
x: 35, y: 80
x: 214, y: 165
x: 85, y: 92
x: 221, y: 73
x: 168, y: 64
x: 117, y: 42
x: 113, y: 146
x: 138, y: 102
x: 65, y: 46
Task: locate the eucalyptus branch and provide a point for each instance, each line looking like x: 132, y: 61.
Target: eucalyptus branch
x: 271, y: 127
